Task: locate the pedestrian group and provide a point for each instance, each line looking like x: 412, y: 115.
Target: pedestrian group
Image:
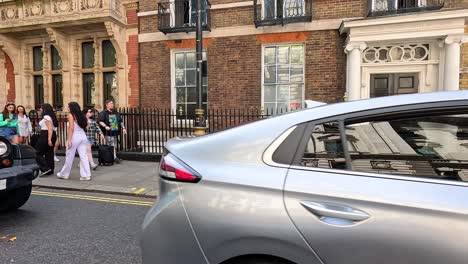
x: 82, y: 130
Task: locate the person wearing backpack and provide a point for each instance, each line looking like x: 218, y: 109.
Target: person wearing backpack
x: 112, y: 126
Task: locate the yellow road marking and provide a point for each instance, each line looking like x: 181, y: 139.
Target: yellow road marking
x: 139, y: 190
x: 92, y: 198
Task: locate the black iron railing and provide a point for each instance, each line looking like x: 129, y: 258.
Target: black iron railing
x: 181, y: 16
x: 148, y: 130
x: 280, y: 12
x: 391, y: 7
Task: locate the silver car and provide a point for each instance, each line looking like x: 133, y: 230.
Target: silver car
x: 383, y: 180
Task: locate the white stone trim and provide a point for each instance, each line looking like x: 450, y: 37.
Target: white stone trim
x: 405, y: 31
x: 355, y: 45
x: 232, y: 5
x: 413, y: 17
x: 147, y: 13
x: 458, y: 39
x: 329, y: 24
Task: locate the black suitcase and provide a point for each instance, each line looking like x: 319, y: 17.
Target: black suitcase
x: 106, y: 155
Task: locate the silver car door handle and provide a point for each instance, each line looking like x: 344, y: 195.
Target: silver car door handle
x: 335, y: 211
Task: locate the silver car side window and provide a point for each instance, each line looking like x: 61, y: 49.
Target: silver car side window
x: 427, y: 146
x: 324, y: 147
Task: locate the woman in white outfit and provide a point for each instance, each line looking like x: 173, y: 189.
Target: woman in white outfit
x: 76, y: 140
x: 24, y: 124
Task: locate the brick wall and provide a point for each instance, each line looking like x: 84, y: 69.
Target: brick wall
x: 148, y: 5
x: 155, y: 75
x: 333, y: 9
x: 10, y: 79
x: 455, y: 4
x: 464, y: 65
x: 321, y: 9
x: 234, y: 72
x: 132, y: 17
x: 148, y: 24
x: 232, y: 17
x: 234, y: 69
x: 325, y: 66
x: 133, y: 73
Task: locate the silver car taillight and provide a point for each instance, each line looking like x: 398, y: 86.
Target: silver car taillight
x: 173, y: 169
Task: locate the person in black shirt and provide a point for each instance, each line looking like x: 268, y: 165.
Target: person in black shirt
x: 112, y: 126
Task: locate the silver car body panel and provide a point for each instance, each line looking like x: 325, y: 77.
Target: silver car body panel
x: 409, y: 222
x: 239, y: 206
x: 167, y: 231
x: 236, y: 219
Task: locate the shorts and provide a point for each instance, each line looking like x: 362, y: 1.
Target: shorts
x: 111, y: 141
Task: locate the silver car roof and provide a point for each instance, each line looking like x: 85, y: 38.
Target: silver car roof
x: 248, y: 142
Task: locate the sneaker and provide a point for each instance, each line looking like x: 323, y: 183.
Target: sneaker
x: 60, y: 176
x: 56, y: 159
x: 118, y: 161
x: 45, y: 173
x: 94, y: 166
x: 85, y: 178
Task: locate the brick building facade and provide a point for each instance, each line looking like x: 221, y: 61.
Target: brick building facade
x: 276, y: 54
x: 69, y: 50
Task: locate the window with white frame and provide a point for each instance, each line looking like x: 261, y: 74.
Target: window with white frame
x: 184, y: 84
x: 283, y: 77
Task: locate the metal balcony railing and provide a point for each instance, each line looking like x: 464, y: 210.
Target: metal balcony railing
x: 391, y: 7
x: 181, y: 16
x: 280, y: 12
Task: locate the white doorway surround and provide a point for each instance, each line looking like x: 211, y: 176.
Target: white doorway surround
x: 427, y: 44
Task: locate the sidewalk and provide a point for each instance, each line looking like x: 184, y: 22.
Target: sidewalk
x: 128, y: 178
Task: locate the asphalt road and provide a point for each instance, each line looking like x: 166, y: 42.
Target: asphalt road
x: 71, y: 227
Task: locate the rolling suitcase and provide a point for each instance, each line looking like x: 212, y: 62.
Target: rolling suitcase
x: 106, y: 155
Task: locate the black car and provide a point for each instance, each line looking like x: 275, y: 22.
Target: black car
x: 18, y: 169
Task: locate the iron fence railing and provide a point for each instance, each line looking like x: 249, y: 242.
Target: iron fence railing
x: 181, y: 16
x: 148, y: 130
x: 389, y: 7
x: 280, y: 12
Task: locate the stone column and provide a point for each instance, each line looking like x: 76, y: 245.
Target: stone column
x: 46, y: 75
x: 452, y: 61
x: 76, y: 90
x: 27, y: 78
x: 353, y: 69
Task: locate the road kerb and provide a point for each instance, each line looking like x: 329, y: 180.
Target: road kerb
x: 130, y: 193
